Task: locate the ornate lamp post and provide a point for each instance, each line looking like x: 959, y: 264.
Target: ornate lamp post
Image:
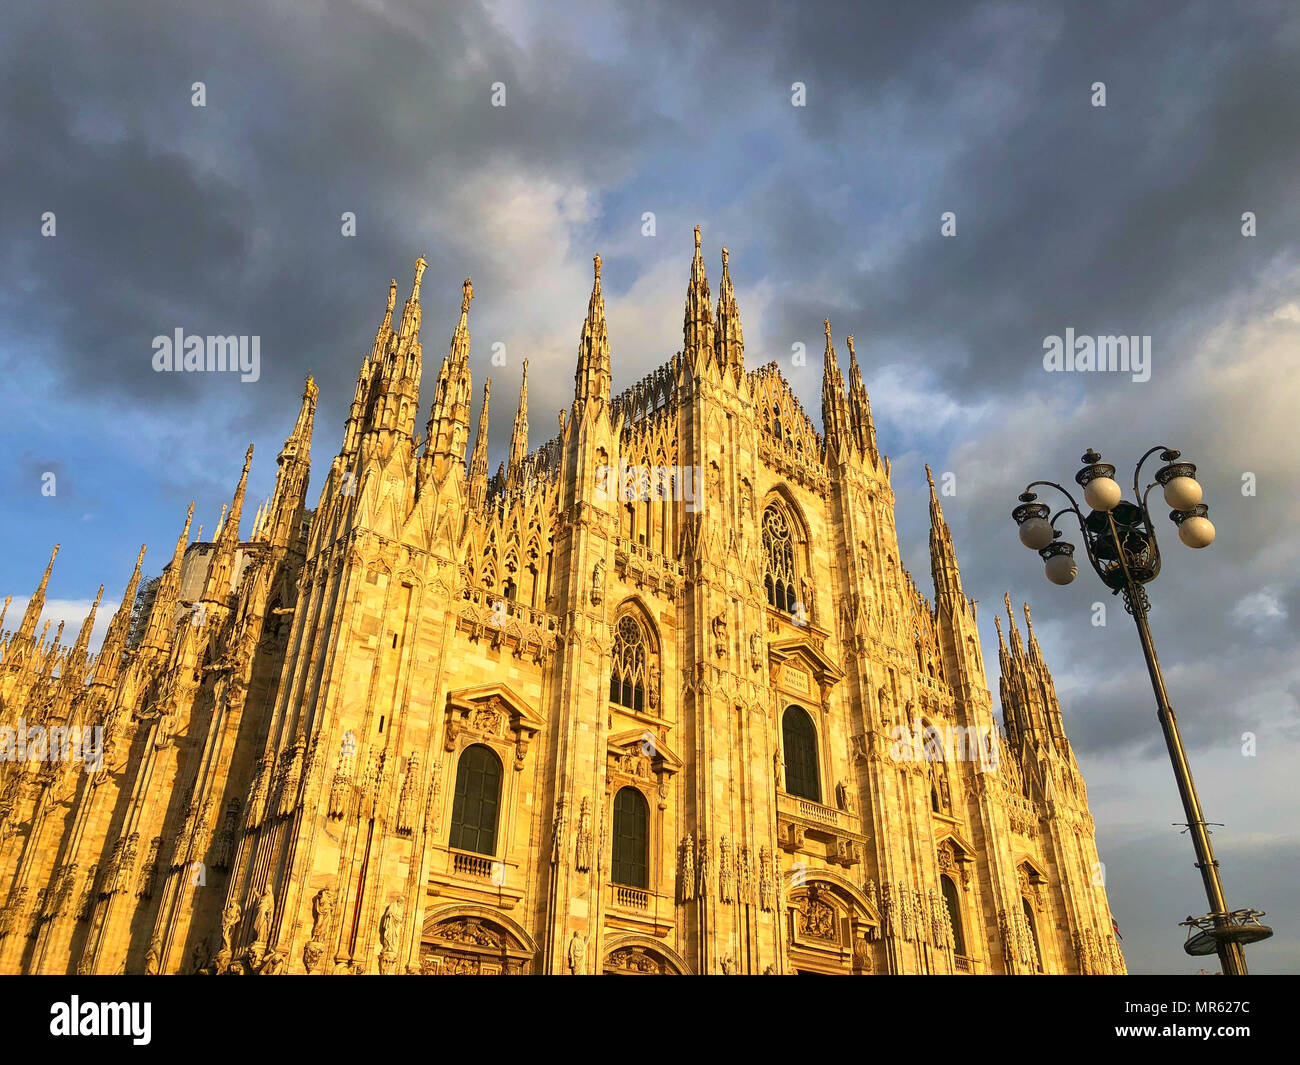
x: 1120, y: 541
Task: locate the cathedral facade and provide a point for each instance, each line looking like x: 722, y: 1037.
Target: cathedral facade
x: 657, y: 697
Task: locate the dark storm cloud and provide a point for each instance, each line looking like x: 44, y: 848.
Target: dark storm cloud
x: 226, y: 219
x: 1123, y: 219
x: 1112, y: 219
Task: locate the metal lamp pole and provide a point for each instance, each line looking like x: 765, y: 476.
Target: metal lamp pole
x: 1120, y: 541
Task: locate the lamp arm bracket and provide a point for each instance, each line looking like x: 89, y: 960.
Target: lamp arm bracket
x: 1059, y: 488
x: 1137, y: 471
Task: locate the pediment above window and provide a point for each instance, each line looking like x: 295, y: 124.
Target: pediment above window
x: 955, y: 857
x: 799, y: 665
x: 640, y: 753
x: 493, y: 712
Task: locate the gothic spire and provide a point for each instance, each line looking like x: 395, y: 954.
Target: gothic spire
x: 281, y: 519
x: 943, y: 556
x: 35, y: 604
x: 82, y: 645
x: 394, y: 392
x: 864, y: 429
x: 835, y: 412
x: 408, y: 332
x: 447, y: 432
x: 230, y: 532
x: 109, y: 659
x: 519, y: 434
x: 367, y: 377
x: 697, y: 325
x: 384, y: 333
x: 50, y: 654
x: 592, y: 381
x: 158, y: 629
x: 478, y: 463
x: 729, y: 339
x: 1017, y: 647
x: 1029, y: 703
x: 222, y: 567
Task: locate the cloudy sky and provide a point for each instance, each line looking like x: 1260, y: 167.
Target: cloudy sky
x: 1122, y: 219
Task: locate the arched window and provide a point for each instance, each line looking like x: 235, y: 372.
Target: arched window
x: 631, y: 839
x: 509, y: 590
x: 800, y: 737
x: 950, y: 899
x: 478, y: 795
x: 627, y: 675
x: 780, y: 580
x: 1033, y: 932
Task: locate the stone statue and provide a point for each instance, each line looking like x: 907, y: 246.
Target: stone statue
x: 390, y: 927
x: 719, y: 627
x: 151, y: 958
x: 578, y: 955
x: 756, y: 650
x: 230, y: 917
x: 165, y: 724
x: 598, y: 582
x: 322, y: 906
x: 263, y: 915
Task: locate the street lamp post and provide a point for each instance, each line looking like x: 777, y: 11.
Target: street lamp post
x: 1120, y: 541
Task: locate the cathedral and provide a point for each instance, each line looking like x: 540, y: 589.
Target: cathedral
x: 655, y: 697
